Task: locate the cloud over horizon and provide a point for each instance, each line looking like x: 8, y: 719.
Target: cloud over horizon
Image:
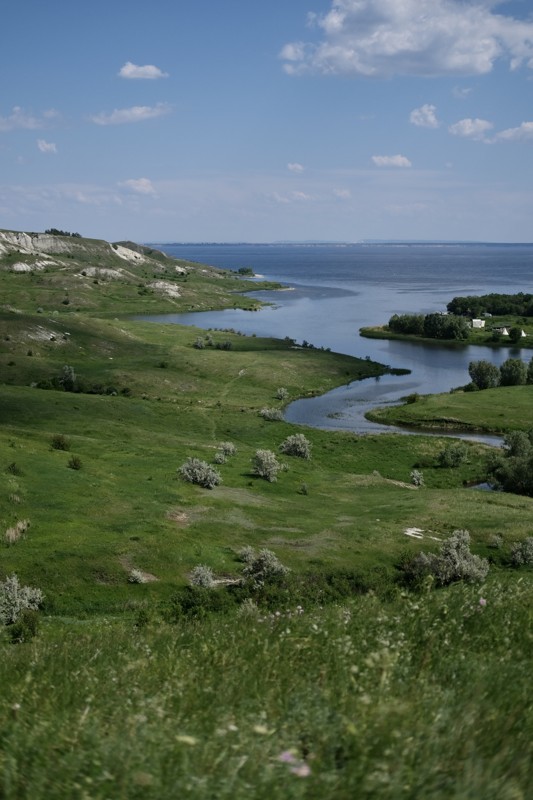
x: 381, y: 38
x: 122, y: 116
x: 391, y: 161
x: 146, y: 72
x: 139, y: 185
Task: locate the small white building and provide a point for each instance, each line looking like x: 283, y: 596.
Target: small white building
x: 478, y: 323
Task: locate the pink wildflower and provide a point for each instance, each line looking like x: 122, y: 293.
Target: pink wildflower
x: 482, y: 602
x: 287, y: 757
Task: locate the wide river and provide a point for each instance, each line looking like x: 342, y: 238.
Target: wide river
x: 334, y: 290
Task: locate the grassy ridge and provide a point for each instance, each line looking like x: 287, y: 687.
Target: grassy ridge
x: 383, y: 695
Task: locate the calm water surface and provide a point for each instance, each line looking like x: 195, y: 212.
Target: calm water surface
x: 333, y: 290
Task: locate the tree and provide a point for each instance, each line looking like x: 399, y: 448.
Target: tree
x: 515, y: 334
x: 513, y: 372
x: 484, y: 374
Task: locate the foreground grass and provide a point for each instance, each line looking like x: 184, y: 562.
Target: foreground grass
x: 422, y: 697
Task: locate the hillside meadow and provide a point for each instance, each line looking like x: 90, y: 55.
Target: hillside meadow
x: 338, y: 681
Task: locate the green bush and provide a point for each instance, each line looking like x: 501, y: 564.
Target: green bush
x: 454, y: 562
x: 453, y: 455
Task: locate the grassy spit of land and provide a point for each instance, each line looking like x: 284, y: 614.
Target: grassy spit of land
x: 376, y: 695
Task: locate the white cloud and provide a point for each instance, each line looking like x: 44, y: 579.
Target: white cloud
x: 425, y: 116
x: 391, y: 161
x: 121, y: 116
x: 139, y: 185
x: 412, y: 37
x: 20, y: 119
x: 523, y: 133
x: 295, y: 167
x: 460, y: 92
x: 471, y: 128
x: 146, y: 72
x: 342, y: 194
x: 46, y: 147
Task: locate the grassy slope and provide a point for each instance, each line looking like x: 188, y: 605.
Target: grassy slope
x: 403, y: 697
x: 492, y: 410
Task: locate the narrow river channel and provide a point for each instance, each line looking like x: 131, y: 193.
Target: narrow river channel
x: 331, y: 317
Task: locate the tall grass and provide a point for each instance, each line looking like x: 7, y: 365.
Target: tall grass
x: 426, y: 697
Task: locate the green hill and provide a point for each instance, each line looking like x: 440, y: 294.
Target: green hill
x: 346, y: 676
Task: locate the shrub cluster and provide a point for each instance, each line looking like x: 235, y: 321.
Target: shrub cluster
x: 522, y: 553
x: 271, y: 414
x: 194, y: 470
x: 453, y: 455
x: 14, y: 598
x: 202, y: 575
x: 262, y: 567
x: 296, y: 445
x: 266, y: 465
x: 454, y: 562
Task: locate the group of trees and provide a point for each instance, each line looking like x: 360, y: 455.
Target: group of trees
x: 496, y: 304
x: 513, y: 372
x: 57, y: 232
x: 432, y: 326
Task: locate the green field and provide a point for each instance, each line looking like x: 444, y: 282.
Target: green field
x: 339, y: 680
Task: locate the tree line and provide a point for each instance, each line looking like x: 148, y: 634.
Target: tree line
x: 520, y: 304
x: 513, y: 372
x: 57, y: 232
x: 432, y: 326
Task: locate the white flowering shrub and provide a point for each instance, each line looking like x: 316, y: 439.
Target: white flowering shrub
x: 194, y: 470
x: 15, y: 598
x: 220, y: 458
x: 282, y: 393
x: 296, y: 445
x: 522, y: 552
x: 202, y: 575
x: 228, y: 448
x: 15, y: 533
x: 417, y: 478
x: 137, y: 576
x: 266, y: 465
x: 453, y: 563
x: 263, y: 567
x: 271, y: 414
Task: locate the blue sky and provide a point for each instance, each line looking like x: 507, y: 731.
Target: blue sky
x: 245, y: 120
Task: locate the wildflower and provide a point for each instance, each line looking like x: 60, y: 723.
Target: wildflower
x: 482, y: 602
x: 302, y: 770
x: 287, y: 757
x: 184, y: 739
